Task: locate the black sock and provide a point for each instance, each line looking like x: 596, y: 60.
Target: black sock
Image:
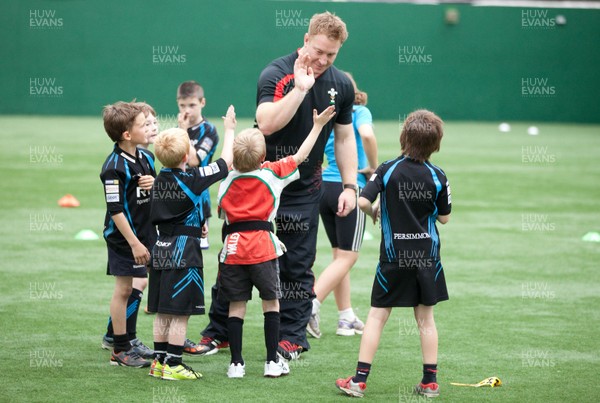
x: 362, y: 372
x: 272, y: 334
x: 109, y: 328
x: 174, y: 354
x: 133, y: 307
x: 160, y: 350
x: 121, y: 342
x: 429, y: 373
x: 235, y: 327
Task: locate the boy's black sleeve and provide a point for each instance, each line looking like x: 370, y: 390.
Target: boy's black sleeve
x: 444, y: 199
x: 374, y: 186
x: 114, y: 191
x: 212, y: 173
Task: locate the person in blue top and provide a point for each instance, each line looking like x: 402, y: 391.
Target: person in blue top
x: 345, y: 233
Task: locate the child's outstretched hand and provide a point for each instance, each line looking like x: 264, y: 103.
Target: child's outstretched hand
x: 324, y: 117
x: 229, y: 118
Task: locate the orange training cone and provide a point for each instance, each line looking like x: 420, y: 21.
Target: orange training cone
x: 68, y: 200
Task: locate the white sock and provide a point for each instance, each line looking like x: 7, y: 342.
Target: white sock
x: 316, y: 306
x: 347, y: 315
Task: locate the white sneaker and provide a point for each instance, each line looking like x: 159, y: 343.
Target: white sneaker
x: 346, y: 328
x: 313, y: 326
x: 204, y: 243
x: 276, y: 369
x: 236, y: 370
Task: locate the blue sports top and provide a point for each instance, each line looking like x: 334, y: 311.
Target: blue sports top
x: 360, y: 116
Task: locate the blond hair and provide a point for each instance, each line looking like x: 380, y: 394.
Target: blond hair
x: 329, y: 25
x: 171, y: 146
x: 249, y: 150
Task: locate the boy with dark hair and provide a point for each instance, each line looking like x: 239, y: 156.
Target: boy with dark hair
x: 409, y: 273
x: 127, y: 175
x: 203, y: 135
x: 248, y: 201
x: 138, y: 283
x: 176, y: 273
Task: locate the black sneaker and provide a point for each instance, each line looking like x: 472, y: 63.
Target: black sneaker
x: 128, y: 359
x: 289, y: 350
x: 108, y: 343
x: 141, y: 349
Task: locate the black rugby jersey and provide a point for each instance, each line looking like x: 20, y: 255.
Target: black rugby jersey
x: 413, y: 194
x: 119, y: 176
x: 177, y: 200
x: 330, y: 88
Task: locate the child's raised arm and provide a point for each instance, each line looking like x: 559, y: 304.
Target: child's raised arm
x: 230, y: 123
x: 318, y: 122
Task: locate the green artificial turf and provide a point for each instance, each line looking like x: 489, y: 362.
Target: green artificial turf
x: 524, y: 288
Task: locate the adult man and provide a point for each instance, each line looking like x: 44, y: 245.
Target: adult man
x: 289, y: 88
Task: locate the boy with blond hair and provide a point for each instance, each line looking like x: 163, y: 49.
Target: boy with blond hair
x: 248, y: 201
x: 176, y: 273
x: 409, y: 273
x: 127, y: 175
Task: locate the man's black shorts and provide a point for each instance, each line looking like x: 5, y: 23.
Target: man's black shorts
x: 345, y: 233
x: 398, y: 286
x: 176, y: 291
x: 236, y: 281
x: 119, y: 265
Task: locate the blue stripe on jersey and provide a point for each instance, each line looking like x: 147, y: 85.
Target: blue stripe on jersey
x: 110, y: 229
x: 149, y: 158
x: 125, y: 204
x: 112, y: 157
x: 439, y: 270
x: 435, y: 241
x: 379, y: 276
x: 386, y: 225
x: 193, y: 276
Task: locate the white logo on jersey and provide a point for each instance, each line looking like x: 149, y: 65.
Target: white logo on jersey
x: 112, y: 198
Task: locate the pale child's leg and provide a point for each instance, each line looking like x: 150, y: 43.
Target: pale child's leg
x: 118, y: 309
x: 271, y: 328
x: 429, y: 343
x: 427, y: 333
x: 235, y: 326
x: 369, y: 342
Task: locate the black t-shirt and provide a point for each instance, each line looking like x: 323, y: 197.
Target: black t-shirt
x: 330, y: 88
x: 413, y: 194
x: 119, y: 176
x: 177, y: 200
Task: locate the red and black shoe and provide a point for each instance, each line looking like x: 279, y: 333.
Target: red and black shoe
x: 351, y: 388
x: 289, y: 350
x: 207, y: 346
x: 428, y: 389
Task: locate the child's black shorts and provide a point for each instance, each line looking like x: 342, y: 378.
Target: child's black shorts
x: 236, y: 281
x: 119, y: 265
x: 398, y: 286
x: 176, y: 291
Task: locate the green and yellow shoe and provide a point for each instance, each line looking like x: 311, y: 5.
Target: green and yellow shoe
x: 179, y: 372
x: 156, y: 369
